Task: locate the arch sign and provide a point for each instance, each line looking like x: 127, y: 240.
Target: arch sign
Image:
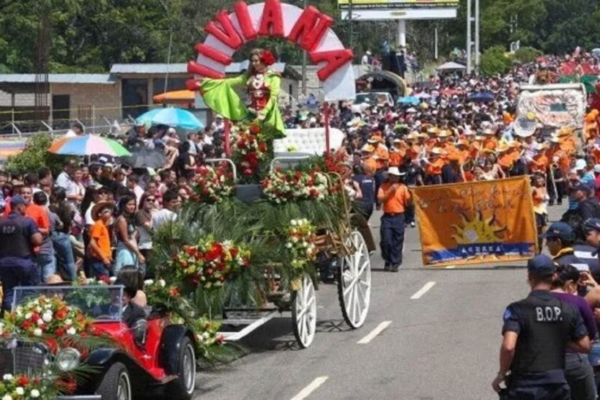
x: 309, y: 28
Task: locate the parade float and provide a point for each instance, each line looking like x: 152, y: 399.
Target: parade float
x: 262, y: 219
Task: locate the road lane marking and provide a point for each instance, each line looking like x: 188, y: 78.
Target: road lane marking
x: 314, y: 385
x: 422, y: 291
x: 380, y: 328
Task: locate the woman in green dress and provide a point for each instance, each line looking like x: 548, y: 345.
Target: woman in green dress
x: 262, y: 86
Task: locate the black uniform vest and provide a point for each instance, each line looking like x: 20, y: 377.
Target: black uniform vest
x: 13, y: 238
x: 544, y: 337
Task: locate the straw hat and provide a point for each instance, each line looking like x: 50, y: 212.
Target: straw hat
x: 414, y: 135
x: 100, y: 207
x: 488, y: 131
x: 514, y: 144
x: 555, y: 139
x: 443, y: 133
x: 367, y: 148
x: 564, y: 132
x: 436, y: 151
x: 502, y: 148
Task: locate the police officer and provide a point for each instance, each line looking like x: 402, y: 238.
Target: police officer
x: 394, y: 196
x: 536, y: 333
x: 18, y: 236
x: 560, y: 239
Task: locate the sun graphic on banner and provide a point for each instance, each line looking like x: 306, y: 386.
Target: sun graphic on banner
x: 478, y: 230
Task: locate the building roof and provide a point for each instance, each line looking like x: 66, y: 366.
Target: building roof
x: 96, y: 79
x: 145, y: 69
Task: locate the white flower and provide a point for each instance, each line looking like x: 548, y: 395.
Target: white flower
x: 7, y: 397
x: 148, y: 282
x: 71, y: 331
x: 293, y: 222
x: 288, y: 245
x: 37, y: 332
x: 113, y: 279
x: 68, y: 322
x: 1, y: 328
x: 40, y: 322
x: 38, y: 309
x: 35, y: 393
x: 205, y: 335
x: 162, y: 283
x: 7, y: 377
x: 28, y: 315
x: 20, y: 391
x: 47, y: 317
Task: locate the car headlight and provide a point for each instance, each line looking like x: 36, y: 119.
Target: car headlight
x: 68, y: 359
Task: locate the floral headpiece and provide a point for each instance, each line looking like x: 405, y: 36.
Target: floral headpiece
x: 267, y: 58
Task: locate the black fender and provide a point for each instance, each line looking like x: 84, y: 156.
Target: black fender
x: 169, y: 347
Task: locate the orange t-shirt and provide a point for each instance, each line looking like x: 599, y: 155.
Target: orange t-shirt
x: 435, y: 168
x: 382, y: 157
x: 490, y: 143
x: 100, y: 234
x: 369, y: 165
x: 395, y: 203
x: 39, y: 215
x: 396, y: 157
x: 539, y: 163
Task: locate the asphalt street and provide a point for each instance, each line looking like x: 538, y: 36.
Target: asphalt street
x: 435, y: 335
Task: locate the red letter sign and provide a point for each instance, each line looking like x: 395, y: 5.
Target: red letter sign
x: 227, y: 34
x: 197, y: 69
x: 213, y: 53
x: 312, y: 25
x: 271, y: 23
x: 335, y: 60
x: 243, y: 17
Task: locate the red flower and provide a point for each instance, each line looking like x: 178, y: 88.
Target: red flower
x: 105, y: 279
x: 241, y: 144
x: 209, y: 271
x: 248, y: 171
x: 61, y: 314
x: 35, y: 318
x: 215, y: 252
x: 60, y: 332
x: 23, y: 381
x: 174, y: 292
x: 254, y: 129
x: 262, y: 147
x: 233, y: 252
x: 190, y: 251
x: 267, y: 58
x: 252, y: 159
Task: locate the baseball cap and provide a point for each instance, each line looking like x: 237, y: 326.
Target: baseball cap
x: 597, y: 168
x: 580, y: 186
x: 17, y: 200
x: 559, y: 230
x: 592, y: 224
x: 541, y: 265
x: 580, y: 164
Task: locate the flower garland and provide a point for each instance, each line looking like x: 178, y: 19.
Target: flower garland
x: 209, y: 263
x: 300, y: 242
x: 22, y: 387
x: 283, y: 186
x: 45, y: 316
x: 212, y: 185
x: 249, y: 149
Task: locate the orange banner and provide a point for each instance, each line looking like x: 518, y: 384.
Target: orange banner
x: 476, y: 222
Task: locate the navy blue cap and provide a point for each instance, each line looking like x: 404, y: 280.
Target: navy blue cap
x: 592, y: 224
x: 17, y: 200
x: 541, y: 265
x: 559, y: 230
x: 580, y: 186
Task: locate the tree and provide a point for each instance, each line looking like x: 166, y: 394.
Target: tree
x: 526, y: 54
x: 494, y: 61
x: 35, y: 156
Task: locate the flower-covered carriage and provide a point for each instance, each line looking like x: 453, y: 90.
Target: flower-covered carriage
x: 247, y: 251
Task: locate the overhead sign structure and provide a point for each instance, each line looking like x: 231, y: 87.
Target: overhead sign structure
x: 400, y: 14
x: 309, y: 28
x: 388, y: 4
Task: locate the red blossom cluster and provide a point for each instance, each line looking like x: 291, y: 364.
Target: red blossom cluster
x: 212, y: 185
x: 249, y: 149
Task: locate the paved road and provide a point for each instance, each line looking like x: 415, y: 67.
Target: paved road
x: 442, y: 346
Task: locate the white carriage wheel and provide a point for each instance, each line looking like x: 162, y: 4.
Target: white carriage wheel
x: 354, y: 283
x: 304, y: 312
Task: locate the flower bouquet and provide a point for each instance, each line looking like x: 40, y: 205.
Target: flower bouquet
x: 48, y: 317
x: 300, y: 242
x: 212, y: 185
x: 209, y: 264
x: 22, y: 387
x: 285, y: 186
x: 249, y: 150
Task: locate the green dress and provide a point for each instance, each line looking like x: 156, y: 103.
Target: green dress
x: 220, y: 96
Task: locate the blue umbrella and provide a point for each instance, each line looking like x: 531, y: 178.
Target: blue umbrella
x: 481, y: 97
x: 412, y: 100
x: 173, y: 117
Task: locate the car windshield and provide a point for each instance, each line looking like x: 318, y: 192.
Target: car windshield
x: 103, y: 303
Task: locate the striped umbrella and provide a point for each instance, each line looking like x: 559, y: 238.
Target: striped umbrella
x: 87, y: 145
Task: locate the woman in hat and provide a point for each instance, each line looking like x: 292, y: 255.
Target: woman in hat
x: 262, y: 86
x: 128, y: 252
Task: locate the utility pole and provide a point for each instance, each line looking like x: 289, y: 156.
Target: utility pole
x: 468, y: 36
x: 477, y: 37
x: 350, y: 22
x: 304, y: 67
x: 435, y: 39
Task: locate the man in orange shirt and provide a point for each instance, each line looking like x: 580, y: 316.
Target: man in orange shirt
x: 36, y: 210
x: 434, y: 167
x: 397, y: 153
x: 381, y: 157
x: 394, y: 196
x: 490, y: 142
x: 539, y: 162
x: 101, y: 252
x: 368, y: 163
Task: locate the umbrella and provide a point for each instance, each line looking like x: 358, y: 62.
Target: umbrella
x: 449, y: 92
x: 144, y: 158
x: 87, y: 145
x: 596, y: 52
x: 481, y: 97
x: 409, y: 100
x: 177, y: 96
x: 423, y: 95
x: 173, y: 117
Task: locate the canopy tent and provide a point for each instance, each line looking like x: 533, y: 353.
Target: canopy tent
x: 451, y: 66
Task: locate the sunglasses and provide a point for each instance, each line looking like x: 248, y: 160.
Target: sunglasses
x: 150, y: 199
